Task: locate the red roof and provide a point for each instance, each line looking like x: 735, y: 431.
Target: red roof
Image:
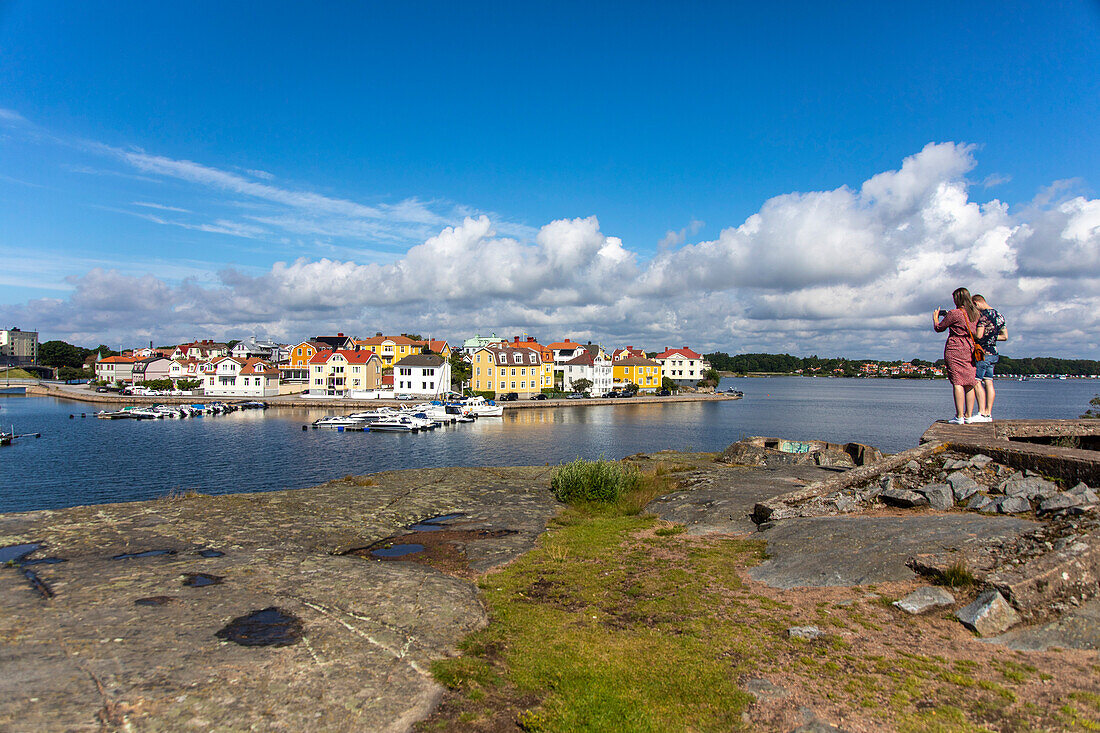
x: 567, y: 344
x: 118, y: 360
x: 350, y: 355
x: 684, y: 352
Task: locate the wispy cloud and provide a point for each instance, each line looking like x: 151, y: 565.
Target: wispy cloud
x: 160, y: 207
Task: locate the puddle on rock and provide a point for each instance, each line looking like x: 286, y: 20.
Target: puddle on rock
x: 200, y: 580
x: 442, y: 549
x: 147, y: 553
x: 15, y: 553
x: 211, y: 553
x: 434, y: 524
x: 393, y: 551
x: 270, y: 626
x: 154, y: 601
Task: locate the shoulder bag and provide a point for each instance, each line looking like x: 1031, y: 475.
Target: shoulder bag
x: 977, y: 353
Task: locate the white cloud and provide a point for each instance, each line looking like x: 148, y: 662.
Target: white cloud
x: 853, y: 271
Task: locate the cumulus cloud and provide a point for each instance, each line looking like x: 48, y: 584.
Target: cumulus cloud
x: 853, y: 270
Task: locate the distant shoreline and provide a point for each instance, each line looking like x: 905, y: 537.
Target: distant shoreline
x: 297, y: 402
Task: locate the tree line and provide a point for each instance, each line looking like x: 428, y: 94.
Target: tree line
x: 788, y: 364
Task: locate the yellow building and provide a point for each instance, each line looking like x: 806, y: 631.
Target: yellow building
x: 646, y: 373
x: 510, y: 368
x: 392, y: 349
x: 336, y: 373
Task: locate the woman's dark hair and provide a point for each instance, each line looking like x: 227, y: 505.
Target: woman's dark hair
x: 962, y: 299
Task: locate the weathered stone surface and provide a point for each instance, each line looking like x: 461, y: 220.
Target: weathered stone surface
x: 1080, y: 488
x: 1058, y: 502
x: 989, y: 614
x: 1072, y: 570
x: 804, y: 632
x: 912, y: 467
x: 925, y: 599
x: 817, y: 725
x: 834, y: 458
x: 1029, y: 487
x: 1089, y: 497
x: 939, y: 495
x: 889, y: 481
x: 1013, y: 505
x: 978, y: 502
x: 762, y: 689
x: 723, y: 501
x: 962, y: 485
x: 903, y: 498
x: 863, y: 550
x: 1077, y: 629
x: 952, y: 464
x: 980, y: 460
x: 369, y: 629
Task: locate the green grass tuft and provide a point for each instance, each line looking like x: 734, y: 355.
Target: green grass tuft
x: 599, y: 481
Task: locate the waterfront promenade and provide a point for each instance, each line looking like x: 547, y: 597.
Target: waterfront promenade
x: 80, y: 393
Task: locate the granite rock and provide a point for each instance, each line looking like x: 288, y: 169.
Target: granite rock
x: 808, y: 633
x: 939, y: 495
x: 989, y: 614
x: 903, y: 498
x: 980, y: 461
x: 978, y: 502
x: 1059, y: 502
x: 962, y: 485
x: 925, y: 599
x: 1013, y: 505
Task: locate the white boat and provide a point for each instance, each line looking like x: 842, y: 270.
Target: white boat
x: 481, y: 407
x: 399, y: 424
x: 337, y: 421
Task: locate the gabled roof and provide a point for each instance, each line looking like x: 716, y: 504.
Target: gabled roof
x: 684, y: 352
x: 636, y: 361
x: 628, y: 352
x: 352, y: 356
x: 421, y: 360
x: 529, y: 355
x: 333, y: 342
x: 259, y: 366
x: 118, y: 360
x: 563, y: 345
x: 582, y: 359
x: 379, y: 340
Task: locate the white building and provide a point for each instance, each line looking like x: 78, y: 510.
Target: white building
x: 422, y: 375
x: 597, y: 371
x: 266, y: 350
x: 682, y: 366
x: 250, y: 378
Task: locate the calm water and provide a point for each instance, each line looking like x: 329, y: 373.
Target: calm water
x: 88, y: 461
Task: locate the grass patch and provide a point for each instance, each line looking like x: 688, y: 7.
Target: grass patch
x: 957, y: 576
x: 593, y: 481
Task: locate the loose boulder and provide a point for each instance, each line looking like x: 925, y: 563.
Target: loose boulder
x: 903, y: 498
x: 989, y: 614
x: 939, y: 495
x: 925, y: 599
x: 1014, y: 505
x: 804, y: 632
x: 1059, y: 502
x: 962, y: 486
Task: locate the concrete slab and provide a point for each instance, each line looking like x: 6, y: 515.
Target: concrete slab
x: 859, y: 550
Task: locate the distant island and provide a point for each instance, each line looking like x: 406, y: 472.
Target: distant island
x: 898, y: 369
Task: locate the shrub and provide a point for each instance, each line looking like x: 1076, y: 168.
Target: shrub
x: 593, y: 481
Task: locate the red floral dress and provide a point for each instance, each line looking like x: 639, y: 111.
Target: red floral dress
x: 958, y: 351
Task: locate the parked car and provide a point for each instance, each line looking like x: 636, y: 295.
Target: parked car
x: 509, y: 397
x: 404, y: 396
x: 613, y: 393
x: 102, y: 389
x: 540, y: 396
x: 663, y: 393
x: 576, y: 395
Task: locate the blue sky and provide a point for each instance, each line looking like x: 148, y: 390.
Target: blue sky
x: 187, y: 150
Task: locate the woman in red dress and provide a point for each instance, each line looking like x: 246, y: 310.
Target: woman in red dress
x: 958, y: 351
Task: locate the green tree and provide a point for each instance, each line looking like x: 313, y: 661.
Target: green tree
x: 188, y: 384
x: 669, y: 384
x: 630, y: 388
x: 62, y: 354
x: 460, y: 370
x: 582, y: 385
x: 1093, y: 413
